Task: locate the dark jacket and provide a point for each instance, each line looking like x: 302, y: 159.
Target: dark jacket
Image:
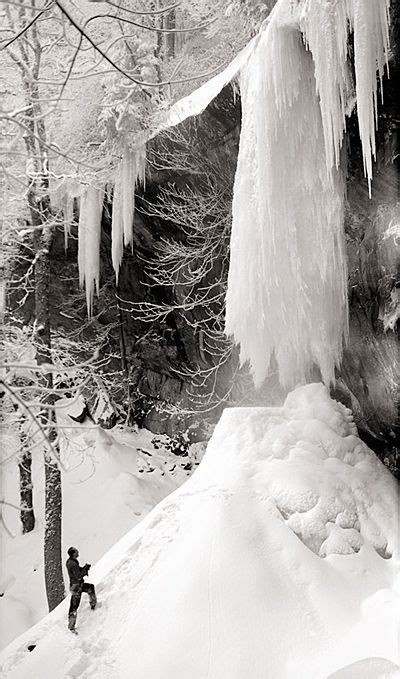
x: 75, y: 571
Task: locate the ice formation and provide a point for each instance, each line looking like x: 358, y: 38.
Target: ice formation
x: 63, y: 193
x: 371, y: 47
x: 287, y: 285
x: 68, y: 216
x: 89, y: 233
x: 287, y: 282
x: 131, y: 170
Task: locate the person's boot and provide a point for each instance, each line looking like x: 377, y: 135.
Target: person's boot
x: 93, y: 600
x: 72, y: 623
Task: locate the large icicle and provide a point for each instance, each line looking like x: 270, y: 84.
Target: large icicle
x: 371, y: 47
x: 287, y: 284
x: 63, y: 194
x: 287, y: 279
x: 325, y: 29
x: 325, y: 26
x: 128, y: 180
x: 89, y: 233
x: 68, y: 215
x: 117, y: 229
x: 131, y: 170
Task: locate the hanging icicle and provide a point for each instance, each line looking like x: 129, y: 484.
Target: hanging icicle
x: 117, y: 231
x: 325, y: 26
x: 68, y: 215
x: 287, y: 284
x: 128, y: 180
x: 325, y: 32
x: 89, y: 233
x: 371, y: 48
x: 131, y: 170
x: 63, y: 193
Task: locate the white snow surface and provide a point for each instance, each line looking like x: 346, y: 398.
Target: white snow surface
x: 111, y: 480
x: 277, y: 559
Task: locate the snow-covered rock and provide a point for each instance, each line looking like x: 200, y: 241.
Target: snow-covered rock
x: 277, y: 559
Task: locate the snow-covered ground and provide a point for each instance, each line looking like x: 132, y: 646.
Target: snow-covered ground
x: 277, y: 559
x: 112, y: 480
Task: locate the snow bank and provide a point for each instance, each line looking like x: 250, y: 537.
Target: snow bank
x: 277, y: 558
x: 111, y: 481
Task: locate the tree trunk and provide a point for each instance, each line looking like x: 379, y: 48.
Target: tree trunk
x: 26, y: 492
x: 27, y: 514
x: 53, y: 499
x: 38, y: 200
x: 55, y: 591
x: 170, y: 24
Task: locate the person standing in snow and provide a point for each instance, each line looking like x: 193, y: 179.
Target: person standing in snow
x: 77, y: 586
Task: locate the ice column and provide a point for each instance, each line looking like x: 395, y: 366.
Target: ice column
x: 287, y: 284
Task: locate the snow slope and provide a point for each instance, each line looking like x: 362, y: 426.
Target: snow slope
x: 111, y: 481
x: 278, y: 558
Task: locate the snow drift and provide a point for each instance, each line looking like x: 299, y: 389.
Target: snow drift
x: 276, y: 559
x: 111, y: 480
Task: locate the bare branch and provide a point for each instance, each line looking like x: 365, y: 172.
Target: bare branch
x: 35, y: 419
x: 24, y: 29
x: 153, y: 29
x: 153, y: 12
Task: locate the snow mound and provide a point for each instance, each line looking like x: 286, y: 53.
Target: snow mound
x: 370, y: 668
x: 278, y: 558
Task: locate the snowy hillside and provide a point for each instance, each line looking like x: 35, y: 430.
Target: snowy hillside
x: 110, y: 482
x: 277, y: 559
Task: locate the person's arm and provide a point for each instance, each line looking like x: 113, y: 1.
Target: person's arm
x: 84, y: 569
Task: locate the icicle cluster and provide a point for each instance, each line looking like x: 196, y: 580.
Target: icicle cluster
x: 287, y: 285
x: 89, y: 234
x: 131, y: 170
x: 325, y: 26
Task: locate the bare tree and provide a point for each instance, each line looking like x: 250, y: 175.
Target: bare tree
x: 193, y: 265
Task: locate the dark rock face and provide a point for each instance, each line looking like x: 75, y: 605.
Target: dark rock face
x: 164, y: 352
x: 370, y: 368
x: 370, y: 371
